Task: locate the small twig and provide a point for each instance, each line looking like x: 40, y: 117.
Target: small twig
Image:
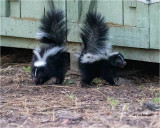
x: 100, y: 92
x: 40, y: 86
x: 70, y: 118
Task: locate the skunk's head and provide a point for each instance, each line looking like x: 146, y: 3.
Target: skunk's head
x: 117, y: 60
x: 38, y: 72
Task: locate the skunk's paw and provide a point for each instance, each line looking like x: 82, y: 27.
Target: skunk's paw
x: 58, y: 81
x: 84, y: 85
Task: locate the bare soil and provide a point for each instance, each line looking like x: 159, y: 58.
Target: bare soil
x: 24, y: 105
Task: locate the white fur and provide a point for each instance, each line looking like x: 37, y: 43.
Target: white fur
x: 101, y: 54
x: 42, y: 60
x: 77, y: 55
x: 36, y: 52
x: 90, y: 58
x: 121, y: 57
x: 35, y: 72
x: 52, y: 52
x: 113, y: 53
x: 39, y: 63
x: 40, y: 34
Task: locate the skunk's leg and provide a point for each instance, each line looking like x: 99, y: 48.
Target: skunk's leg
x: 116, y: 76
x: 41, y: 81
x: 110, y: 80
x: 86, y: 80
x: 60, y: 78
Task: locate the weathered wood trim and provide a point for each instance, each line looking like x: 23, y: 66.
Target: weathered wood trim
x: 130, y: 12
x: 18, y: 42
x: 15, y: 8
x: 4, y: 8
x: 130, y: 37
x: 154, y: 13
x: 148, y: 55
x: 120, y: 35
x: 142, y: 15
x: 19, y: 27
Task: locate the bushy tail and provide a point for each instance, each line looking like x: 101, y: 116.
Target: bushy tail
x: 94, y: 33
x: 53, y: 29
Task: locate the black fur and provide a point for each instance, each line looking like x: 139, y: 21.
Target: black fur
x: 94, y: 33
x: 94, y: 37
x: 53, y: 27
x: 53, y: 24
x: 104, y: 69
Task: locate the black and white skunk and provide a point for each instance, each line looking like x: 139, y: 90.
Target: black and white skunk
x: 96, y: 58
x: 51, y: 59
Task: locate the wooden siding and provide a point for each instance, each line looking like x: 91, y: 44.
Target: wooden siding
x: 155, y: 26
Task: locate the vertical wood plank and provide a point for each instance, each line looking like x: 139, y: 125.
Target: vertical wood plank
x: 142, y: 12
x: 154, y: 13
x: 15, y: 8
x: 112, y: 10
x: 130, y: 12
x: 59, y: 4
x: 5, y: 8
x: 32, y: 9
x: 72, y: 10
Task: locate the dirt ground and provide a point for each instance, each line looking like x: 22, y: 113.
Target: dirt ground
x: 24, y: 105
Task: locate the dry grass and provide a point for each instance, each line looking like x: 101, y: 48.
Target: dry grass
x: 24, y: 105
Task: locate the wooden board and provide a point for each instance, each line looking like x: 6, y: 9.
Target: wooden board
x: 59, y: 4
x: 74, y: 33
x: 77, y: 10
x: 32, y: 9
x: 112, y: 10
x: 148, y: 55
x: 19, y: 42
x: 18, y: 27
x: 130, y: 36
x: 154, y: 10
x: 15, y: 7
x: 142, y: 14
x: 73, y: 10
x: 120, y: 35
x: 4, y: 8
x: 130, y: 12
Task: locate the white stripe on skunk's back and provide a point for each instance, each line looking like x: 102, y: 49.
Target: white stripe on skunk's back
x: 41, y: 60
x: 39, y: 63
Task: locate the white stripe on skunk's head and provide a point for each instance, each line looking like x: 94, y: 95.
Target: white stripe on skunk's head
x: 39, y: 63
x: 113, y: 53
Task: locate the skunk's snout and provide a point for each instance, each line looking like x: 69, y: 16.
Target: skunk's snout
x: 124, y: 63
x: 34, y: 80
x: 37, y: 81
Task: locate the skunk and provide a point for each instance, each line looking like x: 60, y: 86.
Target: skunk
x: 96, y: 58
x: 51, y: 59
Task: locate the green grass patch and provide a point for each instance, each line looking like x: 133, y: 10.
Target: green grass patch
x: 27, y: 69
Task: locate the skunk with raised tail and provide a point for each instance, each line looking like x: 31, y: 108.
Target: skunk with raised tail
x: 51, y: 59
x: 96, y: 58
